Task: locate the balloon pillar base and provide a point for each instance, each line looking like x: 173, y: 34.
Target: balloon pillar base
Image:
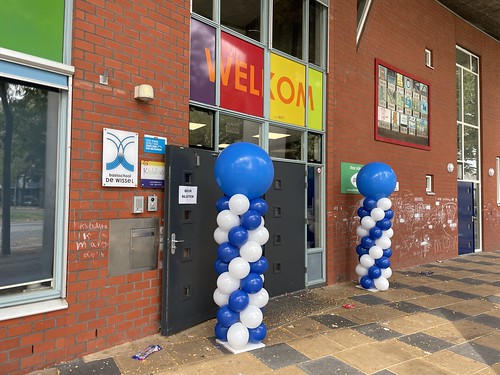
x: 248, y: 347
x: 373, y: 290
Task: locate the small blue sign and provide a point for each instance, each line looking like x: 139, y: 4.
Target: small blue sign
x: 154, y: 145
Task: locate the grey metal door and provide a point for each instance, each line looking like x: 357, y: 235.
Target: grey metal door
x: 189, y: 278
x: 465, y: 217
x: 285, y: 221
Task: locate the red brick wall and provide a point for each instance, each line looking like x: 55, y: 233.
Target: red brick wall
x: 139, y: 42
x: 397, y: 32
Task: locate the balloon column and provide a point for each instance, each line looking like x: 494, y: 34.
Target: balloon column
x: 244, y: 172
x: 376, y: 181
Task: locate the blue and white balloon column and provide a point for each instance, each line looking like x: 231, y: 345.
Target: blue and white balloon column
x: 376, y: 181
x: 244, y: 172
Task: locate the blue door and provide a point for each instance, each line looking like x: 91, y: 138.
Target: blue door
x: 465, y: 217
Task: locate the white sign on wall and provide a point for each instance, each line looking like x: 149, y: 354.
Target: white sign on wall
x: 119, y: 158
x: 188, y: 194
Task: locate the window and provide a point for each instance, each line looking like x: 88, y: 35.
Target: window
x: 203, y: 8
x: 233, y: 129
x: 201, y: 128
x: 285, y: 143
x: 242, y: 16
x: 317, y: 33
x: 428, y: 58
x: 363, y: 7
x: 287, y: 26
x: 498, y: 180
x: 314, y: 151
x: 33, y: 133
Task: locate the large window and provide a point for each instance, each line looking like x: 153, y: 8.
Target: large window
x: 242, y: 16
x: 33, y: 132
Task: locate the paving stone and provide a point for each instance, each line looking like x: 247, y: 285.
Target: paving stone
x: 105, y: 366
x: 328, y: 366
x: 384, y: 372
x: 315, y: 346
x: 425, y: 342
x: 333, y: 321
x: 472, y: 281
x: 454, y: 362
x: 463, y: 295
x: 494, y: 299
x: 377, y: 331
x: 369, y: 299
x: 448, y: 314
x: 348, y: 338
x: 486, y: 263
x: 279, y: 355
x: 477, y: 352
x: 442, y: 277
x: 425, y: 289
x: 406, y: 307
x: 486, y: 319
x: 480, y: 271
x: 418, y: 366
x: 459, y: 332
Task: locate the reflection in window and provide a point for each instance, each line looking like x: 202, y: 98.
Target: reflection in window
x: 234, y: 129
x: 314, y: 148
x: 203, y: 8
x: 28, y: 125
x: 242, y: 16
x: 470, y: 98
x: 463, y: 58
x: 459, y: 93
x: 314, y: 207
x: 471, y: 156
x: 287, y: 26
x: 201, y: 124
x: 285, y: 143
x: 317, y: 33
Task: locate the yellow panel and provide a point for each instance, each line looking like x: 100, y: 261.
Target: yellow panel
x: 315, y: 100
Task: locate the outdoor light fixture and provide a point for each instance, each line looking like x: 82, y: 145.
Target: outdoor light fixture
x: 144, y: 93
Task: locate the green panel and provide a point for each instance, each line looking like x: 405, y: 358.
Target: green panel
x: 348, y: 174
x: 34, y: 27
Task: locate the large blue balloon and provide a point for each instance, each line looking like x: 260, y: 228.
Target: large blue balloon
x: 252, y: 283
x: 251, y: 220
x: 374, y: 272
x: 238, y: 235
x: 260, y: 266
x: 226, y: 252
x: 375, y: 232
x: 257, y: 334
x: 366, y: 282
x: 376, y: 180
x: 238, y: 300
x: 383, y: 262
x: 244, y: 168
x: 367, y: 242
x: 227, y: 317
x: 369, y: 204
x: 259, y: 205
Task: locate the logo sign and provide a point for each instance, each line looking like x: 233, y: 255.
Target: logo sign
x: 119, y: 158
x: 152, y: 174
x: 348, y: 174
x: 154, y: 145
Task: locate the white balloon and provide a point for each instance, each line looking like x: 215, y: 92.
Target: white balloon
x: 259, y: 235
x: 384, y: 203
x: 220, y: 298
x: 383, y: 242
x: 227, y: 220
x: 227, y: 284
x: 367, y: 222
x: 388, y: 233
x: 377, y: 214
x: 220, y: 235
x: 262, y: 221
x: 386, y: 272
x: 376, y: 252
x: 366, y: 261
x: 251, y: 317
x: 360, y: 202
x: 259, y: 299
x: 251, y: 251
x: 381, y: 283
x: 361, y: 271
x: 362, y: 232
x: 262, y: 277
x: 237, y: 335
x: 239, y: 268
x: 239, y: 204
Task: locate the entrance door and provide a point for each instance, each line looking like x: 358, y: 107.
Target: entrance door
x: 189, y: 278
x: 285, y: 221
x: 465, y: 217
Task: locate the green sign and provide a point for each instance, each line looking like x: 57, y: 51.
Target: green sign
x: 348, y: 173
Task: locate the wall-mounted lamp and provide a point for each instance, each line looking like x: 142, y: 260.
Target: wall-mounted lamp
x: 491, y: 172
x: 144, y: 93
x: 450, y: 167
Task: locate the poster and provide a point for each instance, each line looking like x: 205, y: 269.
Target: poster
x: 348, y: 174
x: 119, y: 158
x: 152, y: 174
x: 402, y: 107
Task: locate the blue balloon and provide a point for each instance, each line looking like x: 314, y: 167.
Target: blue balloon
x: 374, y: 272
x: 238, y: 300
x: 221, y: 332
x: 362, y: 212
x: 383, y: 262
x: 384, y: 224
x: 222, y: 203
x: 389, y: 214
x: 257, y: 334
x: 369, y: 204
x: 220, y: 266
x: 387, y: 252
x: 367, y: 242
x: 244, y: 168
x: 238, y: 235
x: 375, y: 232
x: 360, y: 250
x: 226, y: 252
x: 251, y: 220
x: 227, y: 317
x: 252, y: 283
x: 259, y: 266
x: 376, y: 180
x: 366, y: 282
x: 259, y: 205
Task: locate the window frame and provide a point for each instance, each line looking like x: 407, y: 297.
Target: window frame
x: 34, y: 70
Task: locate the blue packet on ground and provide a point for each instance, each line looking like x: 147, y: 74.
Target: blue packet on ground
x: 145, y: 353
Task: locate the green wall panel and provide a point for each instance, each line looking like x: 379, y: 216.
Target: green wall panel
x: 35, y: 27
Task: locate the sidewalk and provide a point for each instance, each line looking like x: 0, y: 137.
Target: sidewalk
x: 439, y: 318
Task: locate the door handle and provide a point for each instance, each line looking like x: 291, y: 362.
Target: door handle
x: 173, y: 241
